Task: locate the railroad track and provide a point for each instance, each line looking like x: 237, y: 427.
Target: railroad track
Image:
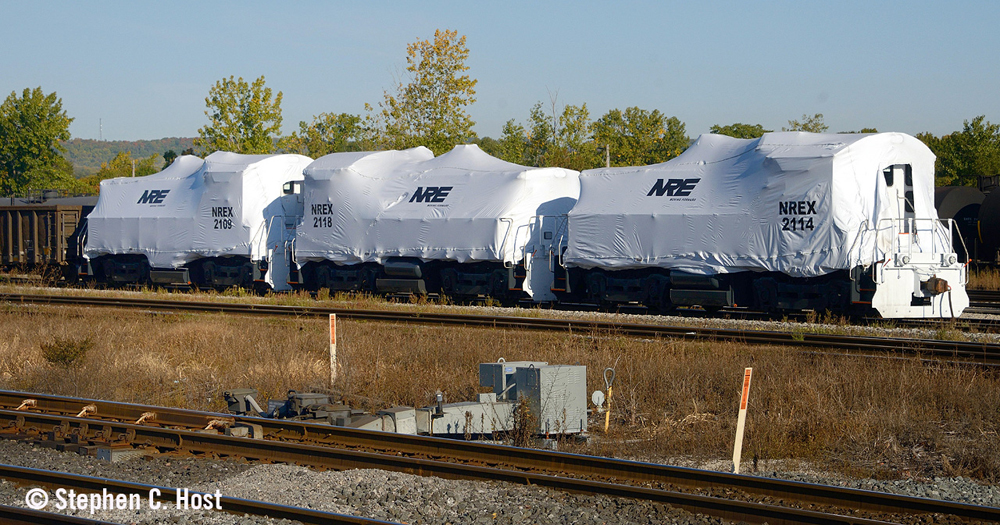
x: 973, y: 352
x: 991, y: 297
x: 52, y: 418
x: 24, y: 516
x: 166, y: 496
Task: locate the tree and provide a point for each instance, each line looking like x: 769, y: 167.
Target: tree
x: 243, y: 118
x: 57, y: 176
x: 638, y: 137
x: 430, y: 109
x: 30, y: 130
x: 964, y: 156
x: 813, y: 124
x: 327, y: 133
x: 511, y: 146
x: 168, y: 158
x: 121, y: 166
x: 541, y: 135
x: 740, y: 130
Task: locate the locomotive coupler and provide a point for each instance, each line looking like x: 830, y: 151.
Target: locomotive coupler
x: 935, y: 286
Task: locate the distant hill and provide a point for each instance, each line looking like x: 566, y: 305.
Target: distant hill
x: 86, y: 155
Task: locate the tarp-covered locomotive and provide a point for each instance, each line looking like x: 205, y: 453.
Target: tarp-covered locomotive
x: 462, y: 224
x: 788, y: 221
x: 208, y: 222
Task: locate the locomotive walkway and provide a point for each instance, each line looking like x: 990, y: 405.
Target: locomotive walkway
x: 968, y: 351
x: 56, y: 421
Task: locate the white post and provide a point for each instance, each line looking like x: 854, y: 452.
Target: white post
x: 333, y: 349
x: 738, y: 447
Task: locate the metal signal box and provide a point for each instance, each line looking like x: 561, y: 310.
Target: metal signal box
x: 556, y: 396
x: 500, y: 376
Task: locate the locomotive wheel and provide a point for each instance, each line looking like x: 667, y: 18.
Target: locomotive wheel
x: 368, y: 276
x: 449, y: 281
x: 498, y: 286
x: 322, y: 278
x: 208, y: 273
x: 596, y: 285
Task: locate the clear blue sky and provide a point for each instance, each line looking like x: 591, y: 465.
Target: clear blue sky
x: 145, y: 68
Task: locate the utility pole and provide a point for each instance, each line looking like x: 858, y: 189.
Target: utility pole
x: 607, y: 155
x: 100, y: 135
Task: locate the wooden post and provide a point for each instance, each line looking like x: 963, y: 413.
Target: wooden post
x: 738, y: 446
x: 333, y: 349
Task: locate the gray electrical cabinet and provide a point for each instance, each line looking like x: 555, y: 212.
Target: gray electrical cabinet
x: 500, y: 376
x: 556, y: 395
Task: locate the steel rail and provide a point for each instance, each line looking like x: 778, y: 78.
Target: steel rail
x: 525, y: 459
x: 976, y: 352
x: 24, y: 516
x: 986, y: 296
x: 21, y: 423
x: 90, y: 484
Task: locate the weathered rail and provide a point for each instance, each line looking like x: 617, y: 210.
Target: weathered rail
x: 339, y: 448
x: 973, y: 352
x: 24, y: 516
x: 167, y: 495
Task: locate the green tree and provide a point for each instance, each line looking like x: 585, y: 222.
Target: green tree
x: 31, y: 127
x: 57, y: 176
x: 168, y: 158
x: 638, y: 137
x: 430, y: 109
x: 740, y: 130
x: 327, y: 133
x: 964, y: 156
x: 121, y: 166
x: 511, y: 146
x: 813, y: 124
x: 541, y: 135
x: 243, y: 118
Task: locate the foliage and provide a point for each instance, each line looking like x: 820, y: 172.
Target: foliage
x: 243, y: 118
x: 637, y: 137
x: 120, y: 166
x: 57, y: 176
x: 511, y: 146
x: 430, y: 109
x: 328, y: 133
x: 540, y: 135
x: 563, y: 140
x: 740, y: 130
x: 87, y: 155
x: 31, y: 127
x: 813, y: 124
x: 66, y: 352
x: 168, y: 158
x: 964, y: 156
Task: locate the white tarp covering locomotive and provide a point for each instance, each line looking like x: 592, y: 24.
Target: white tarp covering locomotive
x: 786, y: 221
x: 463, y: 223
x: 208, y: 221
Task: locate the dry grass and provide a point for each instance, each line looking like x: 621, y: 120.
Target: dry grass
x: 984, y: 278
x: 876, y: 417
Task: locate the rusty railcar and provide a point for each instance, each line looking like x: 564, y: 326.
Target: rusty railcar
x: 38, y: 232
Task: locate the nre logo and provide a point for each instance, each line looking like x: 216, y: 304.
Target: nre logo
x: 430, y: 194
x: 153, y: 196
x: 673, y: 187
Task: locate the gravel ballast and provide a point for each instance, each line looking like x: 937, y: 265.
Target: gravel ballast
x: 400, y: 497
